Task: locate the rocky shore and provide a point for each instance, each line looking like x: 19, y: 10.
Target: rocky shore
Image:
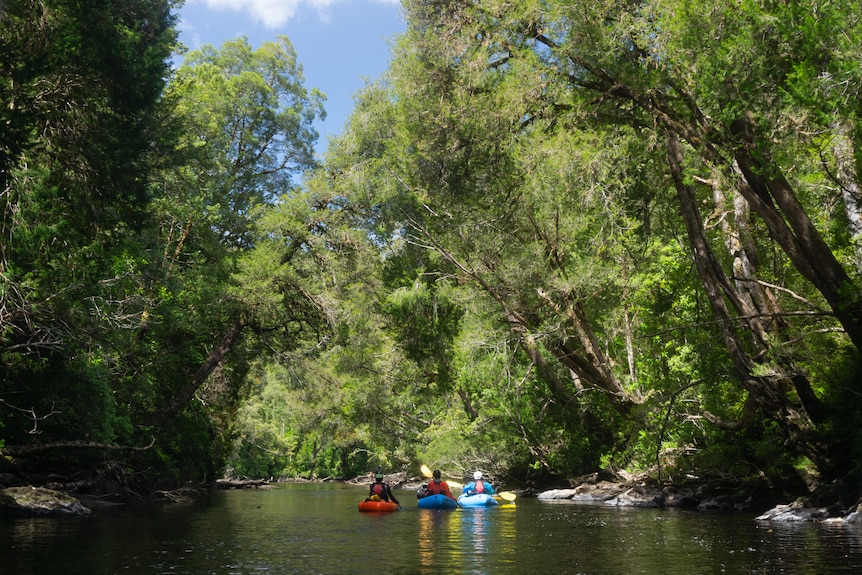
x: 705, y: 497
x: 30, y: 501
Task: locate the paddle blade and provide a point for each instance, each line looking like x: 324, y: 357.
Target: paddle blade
x: 507, y: 495
x: 454, y: 484
x: 426, y: 471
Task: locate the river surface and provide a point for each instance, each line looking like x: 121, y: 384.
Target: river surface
x: 317, y: 529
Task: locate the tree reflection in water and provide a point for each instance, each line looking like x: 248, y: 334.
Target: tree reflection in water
x: 462, y: 541
x: 438, y: 538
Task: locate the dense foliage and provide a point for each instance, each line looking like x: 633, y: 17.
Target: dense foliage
x: 129, y: 196
x: 556, y: 237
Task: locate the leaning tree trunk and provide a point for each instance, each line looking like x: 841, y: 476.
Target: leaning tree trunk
x: 212, y: 361
x: 755, y: 301
x: 772, y: 197
x: 769, y: 393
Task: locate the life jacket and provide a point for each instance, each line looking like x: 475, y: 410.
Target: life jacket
x: 436, y: 488
x: 379, y: 489
x: 479, y: 486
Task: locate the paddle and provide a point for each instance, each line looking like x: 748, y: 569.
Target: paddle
x: 507, y: 495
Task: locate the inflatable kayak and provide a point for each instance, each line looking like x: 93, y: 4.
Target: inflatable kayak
x: 378, y: 506
x: 477, y: 500
x: 437, y: 501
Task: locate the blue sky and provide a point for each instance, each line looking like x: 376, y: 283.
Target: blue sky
x: 340, y: 43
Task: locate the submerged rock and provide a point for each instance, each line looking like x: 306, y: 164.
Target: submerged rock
x: 39, y: 501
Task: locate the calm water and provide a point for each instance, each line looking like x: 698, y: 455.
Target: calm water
x: 316, y: 529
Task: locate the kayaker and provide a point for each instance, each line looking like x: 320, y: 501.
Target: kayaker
x: 478, y: 485
x: 380, y: 489
x: 437, y: 486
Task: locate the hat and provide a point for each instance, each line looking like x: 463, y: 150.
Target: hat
x: 477, y: 475
x: 436, y: 474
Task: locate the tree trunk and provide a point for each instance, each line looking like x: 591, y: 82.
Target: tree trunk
x: 848, y: 181
x: 588, y: 360
x: 708, y: 267
x: 215, y: 357
x: 769, y: 392
x: 772, y: 197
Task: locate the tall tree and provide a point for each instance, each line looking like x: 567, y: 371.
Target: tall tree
x: 251, y: 128
x: 497, y: 79
x: 82, y: 118
x: 249, y: 132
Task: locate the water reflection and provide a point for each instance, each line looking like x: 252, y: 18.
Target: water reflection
x: 316, y: 529
x: 507, y: 547
x: 436, y: 537
x: 465, y: 540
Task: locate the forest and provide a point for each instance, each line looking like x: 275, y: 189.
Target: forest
x: 556, y: 237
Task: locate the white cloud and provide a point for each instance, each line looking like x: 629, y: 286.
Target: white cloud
x: 275, y: 13
x: 270, y: 13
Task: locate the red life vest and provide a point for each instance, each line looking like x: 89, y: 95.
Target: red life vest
x: 436, y: 488
x: 379, y: 490
x: 479, y: 486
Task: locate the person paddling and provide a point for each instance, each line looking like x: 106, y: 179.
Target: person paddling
x: 478, y: 485
x: 437, y: 486
x: 380, y: 489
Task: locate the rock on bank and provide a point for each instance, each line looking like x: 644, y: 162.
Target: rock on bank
x: 39, y: 501
x: 706, y: 497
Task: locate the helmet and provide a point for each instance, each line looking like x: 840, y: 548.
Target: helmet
x: 436, y: 474
x: 477, y: 475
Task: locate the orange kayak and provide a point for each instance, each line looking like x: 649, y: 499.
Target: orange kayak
x: 378, y: 506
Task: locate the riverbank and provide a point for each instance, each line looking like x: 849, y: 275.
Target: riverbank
x: 841, y: 502
x: 837, y: 503
x: 830, y: 505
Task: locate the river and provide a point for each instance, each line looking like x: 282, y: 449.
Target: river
x: 317, y: 529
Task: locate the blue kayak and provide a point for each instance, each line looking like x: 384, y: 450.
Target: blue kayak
x: 477, y: 500
x: 438, y: 501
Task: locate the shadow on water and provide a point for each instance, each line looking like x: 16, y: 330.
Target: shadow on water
x: 317, y: 529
